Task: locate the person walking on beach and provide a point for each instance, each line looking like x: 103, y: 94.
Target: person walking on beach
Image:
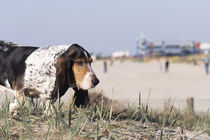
x: 160, y: 65
x: 166, y: 65
x: 105, y: 66
x: 206, y: 63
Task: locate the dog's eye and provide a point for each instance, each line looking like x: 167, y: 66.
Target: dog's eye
x: 80, y: 63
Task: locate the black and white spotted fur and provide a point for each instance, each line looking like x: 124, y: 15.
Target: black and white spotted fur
x: 40, y: 71
x: 33, y: 68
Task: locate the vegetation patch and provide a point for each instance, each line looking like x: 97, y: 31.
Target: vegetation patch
x: 103, y: 119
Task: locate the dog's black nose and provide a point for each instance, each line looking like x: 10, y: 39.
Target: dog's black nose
x: 95, y: 81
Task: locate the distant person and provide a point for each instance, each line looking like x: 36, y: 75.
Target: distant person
x: 195, y: 62
x: 160, y: 65
x: 167, y: 65
x: 105, y: 66
x: 206, y: 63
x: 111, y: 62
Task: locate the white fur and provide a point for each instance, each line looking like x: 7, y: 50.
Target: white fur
x: 40, y: 69
x: 7, y: 83
x: 86, y: 83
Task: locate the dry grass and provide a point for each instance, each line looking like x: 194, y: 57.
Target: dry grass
x: 103, y: 119
x: 191, y: 59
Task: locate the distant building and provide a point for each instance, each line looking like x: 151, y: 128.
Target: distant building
x: 120, y: 54
x: 179, y: 48
x: 166, y: 48
x: 205, y: 47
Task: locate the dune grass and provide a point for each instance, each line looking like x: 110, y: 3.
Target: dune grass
x: 101, y: 120
x: 188, y: 59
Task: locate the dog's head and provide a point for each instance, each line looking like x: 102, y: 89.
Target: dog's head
x: 79, y: 71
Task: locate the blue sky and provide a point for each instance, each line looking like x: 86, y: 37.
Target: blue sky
x: 103, y: 25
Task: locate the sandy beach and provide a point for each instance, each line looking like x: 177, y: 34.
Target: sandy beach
x: 125, y: 80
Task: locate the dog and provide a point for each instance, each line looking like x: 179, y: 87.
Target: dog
x: 47, y: 72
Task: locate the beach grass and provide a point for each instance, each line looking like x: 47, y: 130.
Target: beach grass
x: 103, y: 119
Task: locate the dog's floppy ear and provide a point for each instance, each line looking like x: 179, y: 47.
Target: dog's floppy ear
x: 64, y: 73
x: 70, y: 57
x: 61, y: 79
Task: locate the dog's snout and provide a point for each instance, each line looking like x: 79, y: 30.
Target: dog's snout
x: 95, y: 81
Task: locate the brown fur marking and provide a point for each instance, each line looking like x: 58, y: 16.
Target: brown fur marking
x: 33, y: 93
x: 61, y: 70
x: 18, y: 84
x: 80, y: 71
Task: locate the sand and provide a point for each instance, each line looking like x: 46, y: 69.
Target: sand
x: 125, y: 80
